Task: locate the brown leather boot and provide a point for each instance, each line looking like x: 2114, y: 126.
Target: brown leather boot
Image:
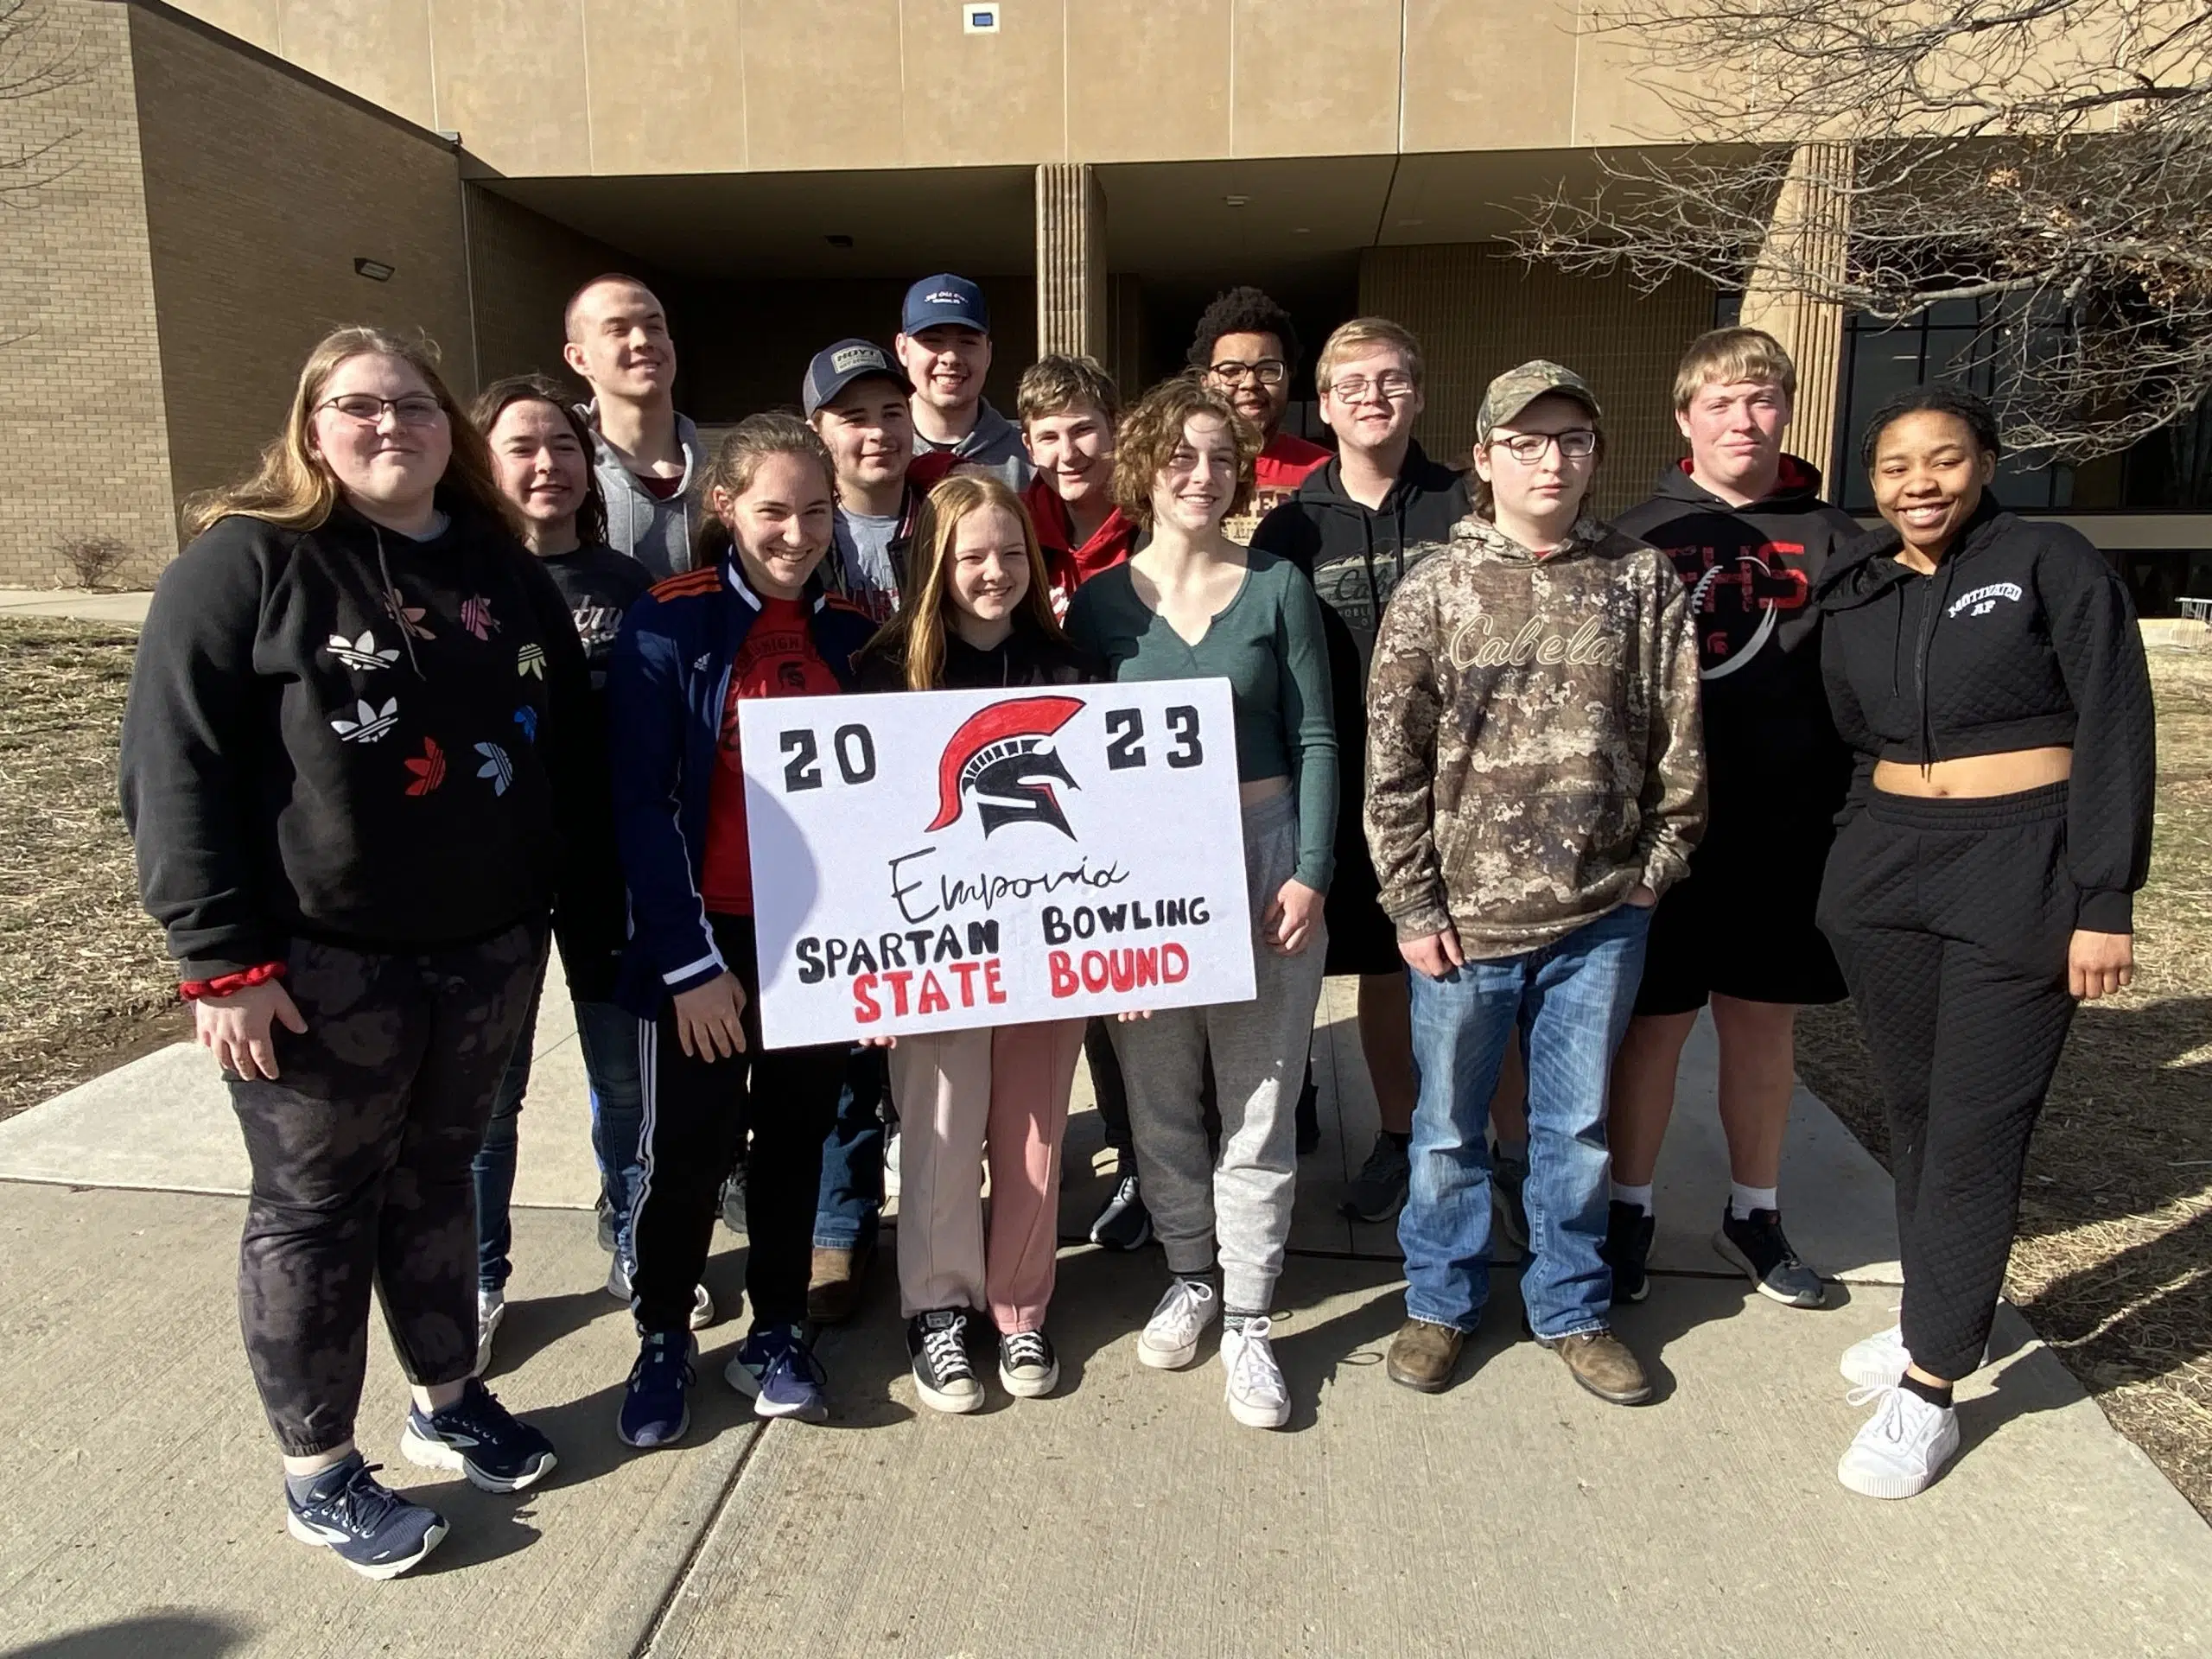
x: 1422, y: 1355
x: 833, y: 1288
x: 1601, y: 1363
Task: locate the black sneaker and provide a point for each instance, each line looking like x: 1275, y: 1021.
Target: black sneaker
x: 1028, y: 1368
x: 1122, y: 1223
x: 1758, y: 1246
x: 943, y: 1375
x: 481, y: 1438
x: 1626, y: 1250
x: 377, y: 1533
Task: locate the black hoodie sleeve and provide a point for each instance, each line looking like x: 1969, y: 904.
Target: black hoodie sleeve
x: 1288, y: 533
x: 2111, y: 795
x: 192, y: 725
x: 588, y: 910
x: 1850, y: 721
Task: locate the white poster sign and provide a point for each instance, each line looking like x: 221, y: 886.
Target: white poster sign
x: 937, y: 860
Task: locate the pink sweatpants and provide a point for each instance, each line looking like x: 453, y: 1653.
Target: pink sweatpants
x: 956, y: 1092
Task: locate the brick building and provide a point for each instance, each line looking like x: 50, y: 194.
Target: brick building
x: 240, y: 174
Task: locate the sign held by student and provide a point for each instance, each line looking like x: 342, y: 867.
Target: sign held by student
x: 939, y: 860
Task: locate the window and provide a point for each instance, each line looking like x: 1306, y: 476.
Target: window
x: 2170, y: 468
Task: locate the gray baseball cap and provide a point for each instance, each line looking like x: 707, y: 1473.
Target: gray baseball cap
x: 1516, y: 389
x: 835, y: 367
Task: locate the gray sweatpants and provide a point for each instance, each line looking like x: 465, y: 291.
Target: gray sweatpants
x: 1243, y: 1197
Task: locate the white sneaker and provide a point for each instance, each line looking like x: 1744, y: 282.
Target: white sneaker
x: 1902, y: 1445
x: 491, y: 1308
x: 1879, y: 1361
x: 617, y: 1286
x: 1171, y: 1335
x: 1258, y: 1397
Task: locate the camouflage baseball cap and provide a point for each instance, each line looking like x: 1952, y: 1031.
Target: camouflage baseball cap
x: 1516, y: 389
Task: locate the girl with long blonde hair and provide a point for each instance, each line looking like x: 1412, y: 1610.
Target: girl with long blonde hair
x: 361, y: 765
x: 978, y: 616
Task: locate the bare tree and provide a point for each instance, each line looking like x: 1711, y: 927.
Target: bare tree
x: 39, y: 54
x: 2050, y: 160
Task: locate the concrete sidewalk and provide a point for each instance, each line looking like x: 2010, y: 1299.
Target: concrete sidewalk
x: 1513, y: 1515
x: 83, y: 604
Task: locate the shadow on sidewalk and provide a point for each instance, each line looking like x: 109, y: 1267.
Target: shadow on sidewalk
x: 174, y: 1636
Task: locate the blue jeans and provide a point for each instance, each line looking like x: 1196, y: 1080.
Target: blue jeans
x: 608, y: 1037
x: 1568, y: 1004
x: 851, y: 1201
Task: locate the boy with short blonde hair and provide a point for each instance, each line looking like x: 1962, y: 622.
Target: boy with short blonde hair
x: 1749, y: 535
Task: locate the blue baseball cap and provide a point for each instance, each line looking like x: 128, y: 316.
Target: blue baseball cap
x: 944, y: 298
x: 835, y: 367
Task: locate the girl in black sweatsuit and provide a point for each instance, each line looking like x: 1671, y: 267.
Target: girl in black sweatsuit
x: 1968, y: 925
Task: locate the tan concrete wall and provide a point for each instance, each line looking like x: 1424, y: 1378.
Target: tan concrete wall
x: 262, y: 189
x: 1478, y: 313
x: 525, y: 266
x: 84, y: 443
x: 557, y: 87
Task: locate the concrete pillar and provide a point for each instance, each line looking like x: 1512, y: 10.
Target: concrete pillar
x: 1070, y: 260
x: 1809, y: 241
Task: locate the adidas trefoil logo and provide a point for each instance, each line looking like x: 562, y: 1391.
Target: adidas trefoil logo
x: 531, y: 660
x: 370, y: 724
x: 362, y: 653
x: 496, y: 766
x: 705, y: 657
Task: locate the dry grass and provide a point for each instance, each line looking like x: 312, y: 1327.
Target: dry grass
x: 87, y: 973
x: 2113, y: 1264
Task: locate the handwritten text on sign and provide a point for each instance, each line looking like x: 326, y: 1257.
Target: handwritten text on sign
x: 937, y: 859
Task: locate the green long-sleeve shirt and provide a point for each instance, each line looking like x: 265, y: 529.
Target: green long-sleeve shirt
x: 1266, y: 643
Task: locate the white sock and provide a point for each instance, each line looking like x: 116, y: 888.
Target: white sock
x: 1742, y: 1200
x: 1638, y: 1196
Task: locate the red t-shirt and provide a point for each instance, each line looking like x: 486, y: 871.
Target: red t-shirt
x: 1281, y: 468
x: 1284, y: 464
x: 778, y: 659
x: 661, y: 489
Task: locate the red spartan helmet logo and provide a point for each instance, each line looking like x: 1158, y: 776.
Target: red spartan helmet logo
x: 996, y: 755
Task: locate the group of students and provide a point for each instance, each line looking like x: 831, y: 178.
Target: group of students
x: 436, y: 686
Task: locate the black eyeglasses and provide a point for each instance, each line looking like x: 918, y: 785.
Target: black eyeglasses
x: 1268, y: 371
x: 1577, y: 443
x: 416, y: 409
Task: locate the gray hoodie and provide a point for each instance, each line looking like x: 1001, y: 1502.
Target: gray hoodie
x: 656, y: 533
x: 994, y: 444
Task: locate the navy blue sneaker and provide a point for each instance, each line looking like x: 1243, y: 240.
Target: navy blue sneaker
x: 654, y: 1409
x: 481, y: 1438
x: 781, y: 1372
x: 377, y: 1533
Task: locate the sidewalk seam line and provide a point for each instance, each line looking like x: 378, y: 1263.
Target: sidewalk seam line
x: 690, y: 1561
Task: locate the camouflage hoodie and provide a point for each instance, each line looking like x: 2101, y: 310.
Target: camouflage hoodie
x: 1534, y: 750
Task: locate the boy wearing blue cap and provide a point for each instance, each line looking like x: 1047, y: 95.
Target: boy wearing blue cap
x: 944, y: 346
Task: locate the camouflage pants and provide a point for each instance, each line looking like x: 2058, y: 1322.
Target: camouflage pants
x: 361, y: 1152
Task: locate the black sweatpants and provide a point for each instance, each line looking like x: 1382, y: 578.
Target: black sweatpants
x: 361, y: 1153
x: 695, y: 1111
x: 1951, y: 919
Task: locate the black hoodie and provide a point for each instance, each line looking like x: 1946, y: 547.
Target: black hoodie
x: 1751, y: 571
x: 1355, y: 554
x: 1026, y: 657
x: 344, y: 734
x: 2023, y: 639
